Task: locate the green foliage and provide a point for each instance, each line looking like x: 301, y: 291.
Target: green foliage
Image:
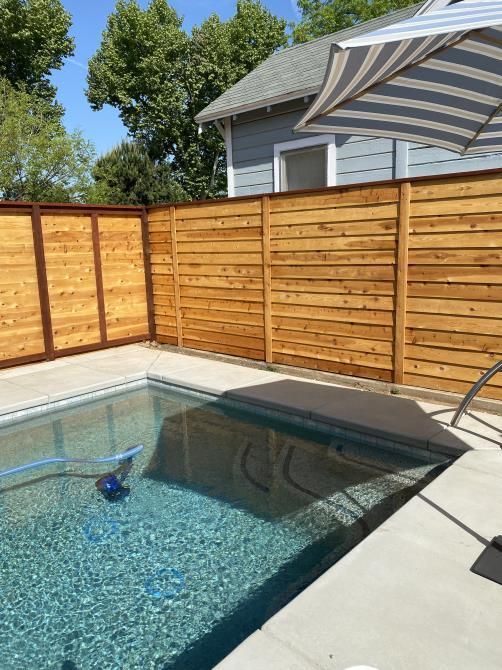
x: 322, y: 17
x: 40, y: 160
x: 127, y: 175
x: 159, y: 77
x: 33, y: 41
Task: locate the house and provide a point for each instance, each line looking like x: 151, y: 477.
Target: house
x: 256, y: 118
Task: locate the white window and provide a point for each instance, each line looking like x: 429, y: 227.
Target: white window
x: 306, y: 163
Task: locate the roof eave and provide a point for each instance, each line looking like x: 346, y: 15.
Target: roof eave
x: 253, y: 106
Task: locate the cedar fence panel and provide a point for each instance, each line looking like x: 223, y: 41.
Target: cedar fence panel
x: 454, y: 316
x: 72, y: 279
x: 398, y: 281
x: 333, y: 262
x: 219, y: 270
x: 21, y: 329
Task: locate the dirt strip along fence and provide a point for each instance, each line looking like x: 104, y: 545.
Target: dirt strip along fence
x: 72, y: 279
x: 398, y: 281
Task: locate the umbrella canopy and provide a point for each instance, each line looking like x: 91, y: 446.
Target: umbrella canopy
x: 435, y: 78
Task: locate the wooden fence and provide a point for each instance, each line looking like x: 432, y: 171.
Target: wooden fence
x: 398, y: 281
x: 72, y: 279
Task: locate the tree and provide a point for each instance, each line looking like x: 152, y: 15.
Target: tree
x: 159, y: 77
x: 40, y: 159
x: 322, y: 17
x: 33, y: 41
x: 127, y: 175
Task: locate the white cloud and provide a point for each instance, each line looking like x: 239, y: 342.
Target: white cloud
x: 77, y: 63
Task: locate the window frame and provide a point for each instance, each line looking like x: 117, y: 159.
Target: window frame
x: 305, y: 143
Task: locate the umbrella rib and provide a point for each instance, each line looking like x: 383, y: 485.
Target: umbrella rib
x: 394, y: 75
x: 481, y: 128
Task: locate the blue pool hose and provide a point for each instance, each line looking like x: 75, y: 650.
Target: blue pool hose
x: 129, y: 453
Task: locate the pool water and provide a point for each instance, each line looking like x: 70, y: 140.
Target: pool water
x: 230, y: 515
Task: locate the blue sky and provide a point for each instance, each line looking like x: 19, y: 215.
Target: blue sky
x: 89, y: 20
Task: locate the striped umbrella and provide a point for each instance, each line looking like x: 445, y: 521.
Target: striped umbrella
x: 435, y: 78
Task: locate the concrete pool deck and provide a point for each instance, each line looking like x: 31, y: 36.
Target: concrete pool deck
x: 404, y: 598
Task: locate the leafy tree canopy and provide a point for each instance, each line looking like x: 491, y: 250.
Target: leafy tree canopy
x: 40, y: 159
x: 321, y: 17
x: 159, y: 77
x: 33, y: 41
x: 127, y: 175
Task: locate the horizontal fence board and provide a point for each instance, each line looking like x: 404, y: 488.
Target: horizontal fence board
x: 456, y: 274
x: 457, y: 187
x: 224, y: 349
x: 451, y: 385
x: 333, y: 366
x: 450, y: 340
x: 224, y: 234
x: 223, y: 316
x: 488, y: 203
x: 334, y: 257
x: 459, y: 223
x: 335, y: 341
x: 230, y: 270
x: 343, y: 229
x: 327, y: 243
x: 210, y: 210
x: 347, y: 301
x: 457, y: 240
x: 359, y: 195
x: 333, y: 286
x: 333, y: 214
x: 214, y: 225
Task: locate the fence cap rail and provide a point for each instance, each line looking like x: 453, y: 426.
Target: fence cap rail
x: 21, y: 204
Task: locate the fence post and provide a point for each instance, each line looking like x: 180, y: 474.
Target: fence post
x: 401, y: 281
x: 267, y: 278
x: 148, y: 274
x: 98, y: 273
x: 176, y: 279
x: 43, y: 287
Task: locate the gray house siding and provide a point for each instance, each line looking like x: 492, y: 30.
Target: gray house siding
x: 253, y: 142
x: 358, y: 159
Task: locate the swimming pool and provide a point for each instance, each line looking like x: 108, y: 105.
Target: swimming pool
x: 230, y: 515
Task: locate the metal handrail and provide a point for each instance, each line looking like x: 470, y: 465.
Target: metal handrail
x: 474, y: 390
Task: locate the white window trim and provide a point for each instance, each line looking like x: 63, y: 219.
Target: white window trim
x: 230, y: 157
x: 327, y: 139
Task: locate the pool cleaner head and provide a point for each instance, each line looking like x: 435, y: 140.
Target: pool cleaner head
x: 111, y: 485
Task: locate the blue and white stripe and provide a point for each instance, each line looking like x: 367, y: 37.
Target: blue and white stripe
x: 434, y: 79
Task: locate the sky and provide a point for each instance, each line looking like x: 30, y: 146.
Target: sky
x: 104, y: 128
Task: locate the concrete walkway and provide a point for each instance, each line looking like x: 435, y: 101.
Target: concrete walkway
x: 403, y: 599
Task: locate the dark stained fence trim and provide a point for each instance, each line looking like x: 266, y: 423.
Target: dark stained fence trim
x: 148, y: 274
x: 98, y: 273
x: 95, y: 347
x: 22, y: 360
x: 43, y: 288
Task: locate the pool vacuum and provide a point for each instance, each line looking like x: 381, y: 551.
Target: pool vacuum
x: 111, y: 485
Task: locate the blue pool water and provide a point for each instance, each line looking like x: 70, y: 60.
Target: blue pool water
x: 230, y: 515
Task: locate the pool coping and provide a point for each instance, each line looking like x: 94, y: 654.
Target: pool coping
x: 417, y: 424
x: 436, y: 536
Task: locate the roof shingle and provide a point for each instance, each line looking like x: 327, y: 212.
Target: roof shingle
x: 295, y: 71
